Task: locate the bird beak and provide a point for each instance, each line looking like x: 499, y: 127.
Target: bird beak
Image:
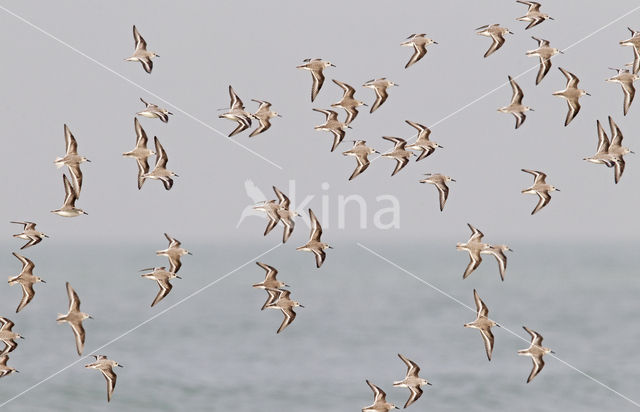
x: 170, y: 113
x: 45, y: 235
x: 330, y: 247
x: 375, y: 151
x: 178, y: 277
x: 429, y: 383
x: 435, y: 42
x: 553, y: 352
x: 453, y: 180
x: 396, y: 84
x: 88, y: 160
x: 510, y: 250
x: 90, y: 317
x: 588, y: 94
x: 531, y: 109
x: 120, y: 366
x: 510, y: 32
x: 17, y: 371
x: 301, y: 306
x: 560, y: 51
x: 332, y: 65
x: 43, y: 281
x: 21, y: 337
x: 189, y: 253
x: 557, y: 190
x: 279, y: 115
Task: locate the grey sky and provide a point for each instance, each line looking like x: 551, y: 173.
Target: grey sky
x: 205, y: 46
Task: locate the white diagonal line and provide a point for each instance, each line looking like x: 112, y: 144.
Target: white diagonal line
x: 181, y: 301
x: 604, y: 385
x: 490, y: 92
x: 131, y: 82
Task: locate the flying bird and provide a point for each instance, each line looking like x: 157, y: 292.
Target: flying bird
x: 498, y: 252
x: 483, y: 324
x: 74, y: 318
x: 30, y: 234
x: 237, y: 113
x: 349, y: 103
x: 316, y: 67
x: 571, y: 94
x: 174, y: 252
x: 474, y: 246
x: 286, y: 305
x: 419, y: 43
x: 72, y: 160
x: 163, y: 277
x: 540, y: 188
x: 7, y: 336
x: 380, y: 86
x: 634, y: 42
x: 160, y: 171
x: 422, y: 142
x: 545, y: 52
x: 616, y: 151
x: 516, y: 108
x: 360, y: 151
x: 440, y: 181
x: 68, y: 208
x: 625, y: 79
x: 535, y: 351
x: 333, y: 125
x: 140, y: 153
x: 497, y: 36
x: 399, y: 153
x: 411, y: 381
x: 270, y: 284
x: 4, y: 369
x: 105, y: 365
x: 534, y: 16
x: 286, y: 214
x: 380, y: 403
x: 153, y: 111
x: 263, y: 115
x: 315, y: 244
x: 26, y: 279
x: 141, y: 54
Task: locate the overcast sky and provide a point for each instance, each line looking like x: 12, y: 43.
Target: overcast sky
x: 206, y: 46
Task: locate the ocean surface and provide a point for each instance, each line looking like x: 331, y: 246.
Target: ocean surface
x: 217, y: 351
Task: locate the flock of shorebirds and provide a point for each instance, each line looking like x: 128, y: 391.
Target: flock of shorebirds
x: 610, y: 152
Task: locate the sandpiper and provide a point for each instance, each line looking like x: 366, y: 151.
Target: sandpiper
x: 497, y: 35
x: 419, y: 43
x: 333, y: 125
x: 174, y: 252
x: 270, y: 207
x: 533, y: 16
x: 498, y: 252
x: 153, y: 111
x: 4, y: 369
x: 440, y: 181
x: 29, y: 233
x: 26, y: 279
x: 8, y: 336
x: 422, y: 142
x: 535, y: 351
x: 105, y: 365
x: 399, y: 153
x: 602, y: 155
x: 545, y: 52
x: 540, y: 188
x: 516, y: 107
x: 264, y: 114
x: 163, y: 277
x: 616, y: 150
x: 237, y: 113
x: 72, y: 159
x: 286, y: 215
x: 411, y: 381
x: 571, y: 94
x: 160, y: 171
x: 316, y: 66
x: 473, y: 246
x: 634, y: 42
x: 626, y: 79
x: 380, y: 87
x: 483, y: 323
x: 348, y: 102
x: 69, y: 208
x: 286, y: 305
x: 270, y: 284
x: 74, y: 318
x: 314, y: 244
x: 360, y: 151
x: 380, y: 403
x: 141, y: 153
x: 141, y: 54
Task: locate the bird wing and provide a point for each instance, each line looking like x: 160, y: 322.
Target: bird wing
x: 538, y: 364
x: 141, y: 135
x: 235, y: 103
x: 629, y: 93
x: 619, y: 164
x: 481, y: 308
x: 412, y: 368
x: 545, y: 65
x: 545, y: 198
x: 316, y: 228
x: 320, y: 256
x: 574, y: 108
x: 603, y: 139
x: 572, y: 79
x: 165, y: 288
x: 79, y: 333
x: 520, y: 118
x: 487, y: 337
x: 161, y: 155
x: 27, y: 294
x: 474, y: 261
x: 381, y: 97
x: 443, y: 190
x: 70, y: 141
x: 416, y: 392
x: 318, y: 80
x: 539, y: 177
x: 289, y: 316
x: 418, y: 53
x: 284, y: 200
x: 111, y: 378
x: 139, y: 41
x: 271, y: 272
x: 74, y: 300
x: 476, y: 235
x: 27, y: 264
x: 497, y: 42
x: 517, y: 92
x: 76, y: 175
